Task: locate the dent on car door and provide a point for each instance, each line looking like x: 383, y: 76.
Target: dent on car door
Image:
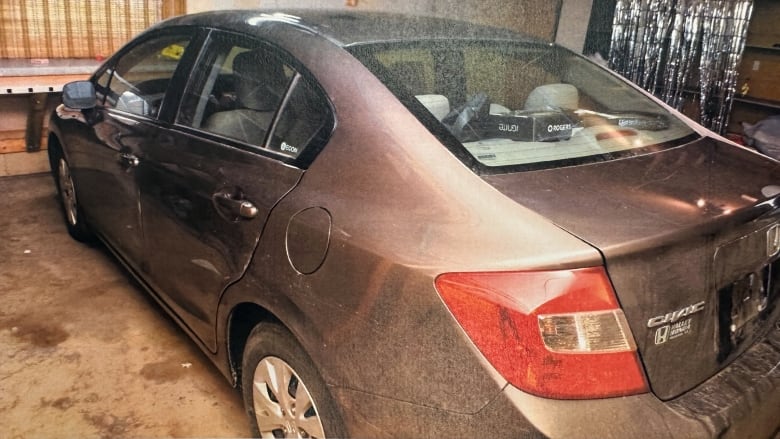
x: 131, y: 91
x: 214, y: 178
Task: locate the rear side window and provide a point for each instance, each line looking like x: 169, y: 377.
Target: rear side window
x: 509, y: 106
x: 240, y: 88
x: 247, y: 91
x: 139, y: 79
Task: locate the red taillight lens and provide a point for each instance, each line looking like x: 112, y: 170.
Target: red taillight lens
x: 557, y: 334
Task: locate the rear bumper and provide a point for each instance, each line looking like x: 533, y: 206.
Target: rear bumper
x: 741, y: 401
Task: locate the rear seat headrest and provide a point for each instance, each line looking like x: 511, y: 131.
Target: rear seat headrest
x: 547, y: 96
x: 438, y: 105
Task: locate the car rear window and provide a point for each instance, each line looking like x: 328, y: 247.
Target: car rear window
x: 508, y: 106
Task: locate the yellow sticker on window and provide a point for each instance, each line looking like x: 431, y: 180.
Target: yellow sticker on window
x: 174, y: 51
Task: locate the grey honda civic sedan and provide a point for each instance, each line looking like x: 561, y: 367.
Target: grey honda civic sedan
x: 387, y: 226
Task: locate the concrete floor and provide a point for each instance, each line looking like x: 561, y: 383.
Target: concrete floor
x: 84, y: 352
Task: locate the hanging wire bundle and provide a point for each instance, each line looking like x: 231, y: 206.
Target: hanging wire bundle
x: 684, y: 41
x: 659, y: 44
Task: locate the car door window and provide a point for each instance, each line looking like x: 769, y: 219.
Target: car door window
x: 140, y: 77
x: 241, y: 87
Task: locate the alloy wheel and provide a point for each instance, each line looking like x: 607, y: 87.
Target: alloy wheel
x: 67, y: 192
x: 283, y: 405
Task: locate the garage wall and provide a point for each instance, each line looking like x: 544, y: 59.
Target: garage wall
x: 72, y: 29
x: 533, y: 17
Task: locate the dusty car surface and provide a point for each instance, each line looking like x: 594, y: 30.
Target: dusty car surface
x: 387, y: 226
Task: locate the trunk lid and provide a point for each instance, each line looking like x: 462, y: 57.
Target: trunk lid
x: 689, y: 240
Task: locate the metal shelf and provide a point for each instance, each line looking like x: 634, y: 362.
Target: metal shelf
x: 767, y: 103
x: 763, y: 48
x: 23, y: 76
x: 15, y: 85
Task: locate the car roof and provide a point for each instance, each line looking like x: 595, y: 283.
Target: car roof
x: 346, y: 28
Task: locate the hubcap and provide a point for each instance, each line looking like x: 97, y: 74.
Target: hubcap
x: 67, y: 192
x: 283, y: 405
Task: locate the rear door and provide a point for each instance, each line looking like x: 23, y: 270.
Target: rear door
x: 239, y: 143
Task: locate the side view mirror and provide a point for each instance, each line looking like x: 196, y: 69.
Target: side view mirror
x: 79, y: 95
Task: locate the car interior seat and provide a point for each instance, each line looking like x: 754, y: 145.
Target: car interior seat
x: 260, y: 84
x: 553, y: 96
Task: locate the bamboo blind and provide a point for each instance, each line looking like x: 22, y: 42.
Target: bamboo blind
x: 72, y: 28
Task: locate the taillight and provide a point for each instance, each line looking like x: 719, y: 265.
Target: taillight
x: 557, y: 334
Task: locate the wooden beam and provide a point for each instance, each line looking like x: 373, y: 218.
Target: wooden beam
x: 172, y: 8
x: 14, y: 141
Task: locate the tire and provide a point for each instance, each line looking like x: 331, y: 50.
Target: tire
x: 66, y: 190
x: 273, y: 355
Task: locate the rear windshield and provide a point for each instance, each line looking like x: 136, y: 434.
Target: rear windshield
x: 508, y: 106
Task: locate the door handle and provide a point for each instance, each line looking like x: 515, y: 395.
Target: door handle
x: 129, y: 160
x: 247, y: 210
x: 233, y: 204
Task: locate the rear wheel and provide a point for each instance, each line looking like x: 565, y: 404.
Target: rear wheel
x: 284, y: 395
x: 68, y: 200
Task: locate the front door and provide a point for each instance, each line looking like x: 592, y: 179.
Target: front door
x: 131, y: 90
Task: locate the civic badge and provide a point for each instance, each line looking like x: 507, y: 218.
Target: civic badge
x: 773, y: 240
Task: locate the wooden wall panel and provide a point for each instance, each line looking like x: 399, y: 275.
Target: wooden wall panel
x: 765, y: 24
x: 762, y: 69
x: 76, y: 28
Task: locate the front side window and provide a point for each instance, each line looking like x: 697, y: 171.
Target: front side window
x: 139, y: 79
x: 518, y: 106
